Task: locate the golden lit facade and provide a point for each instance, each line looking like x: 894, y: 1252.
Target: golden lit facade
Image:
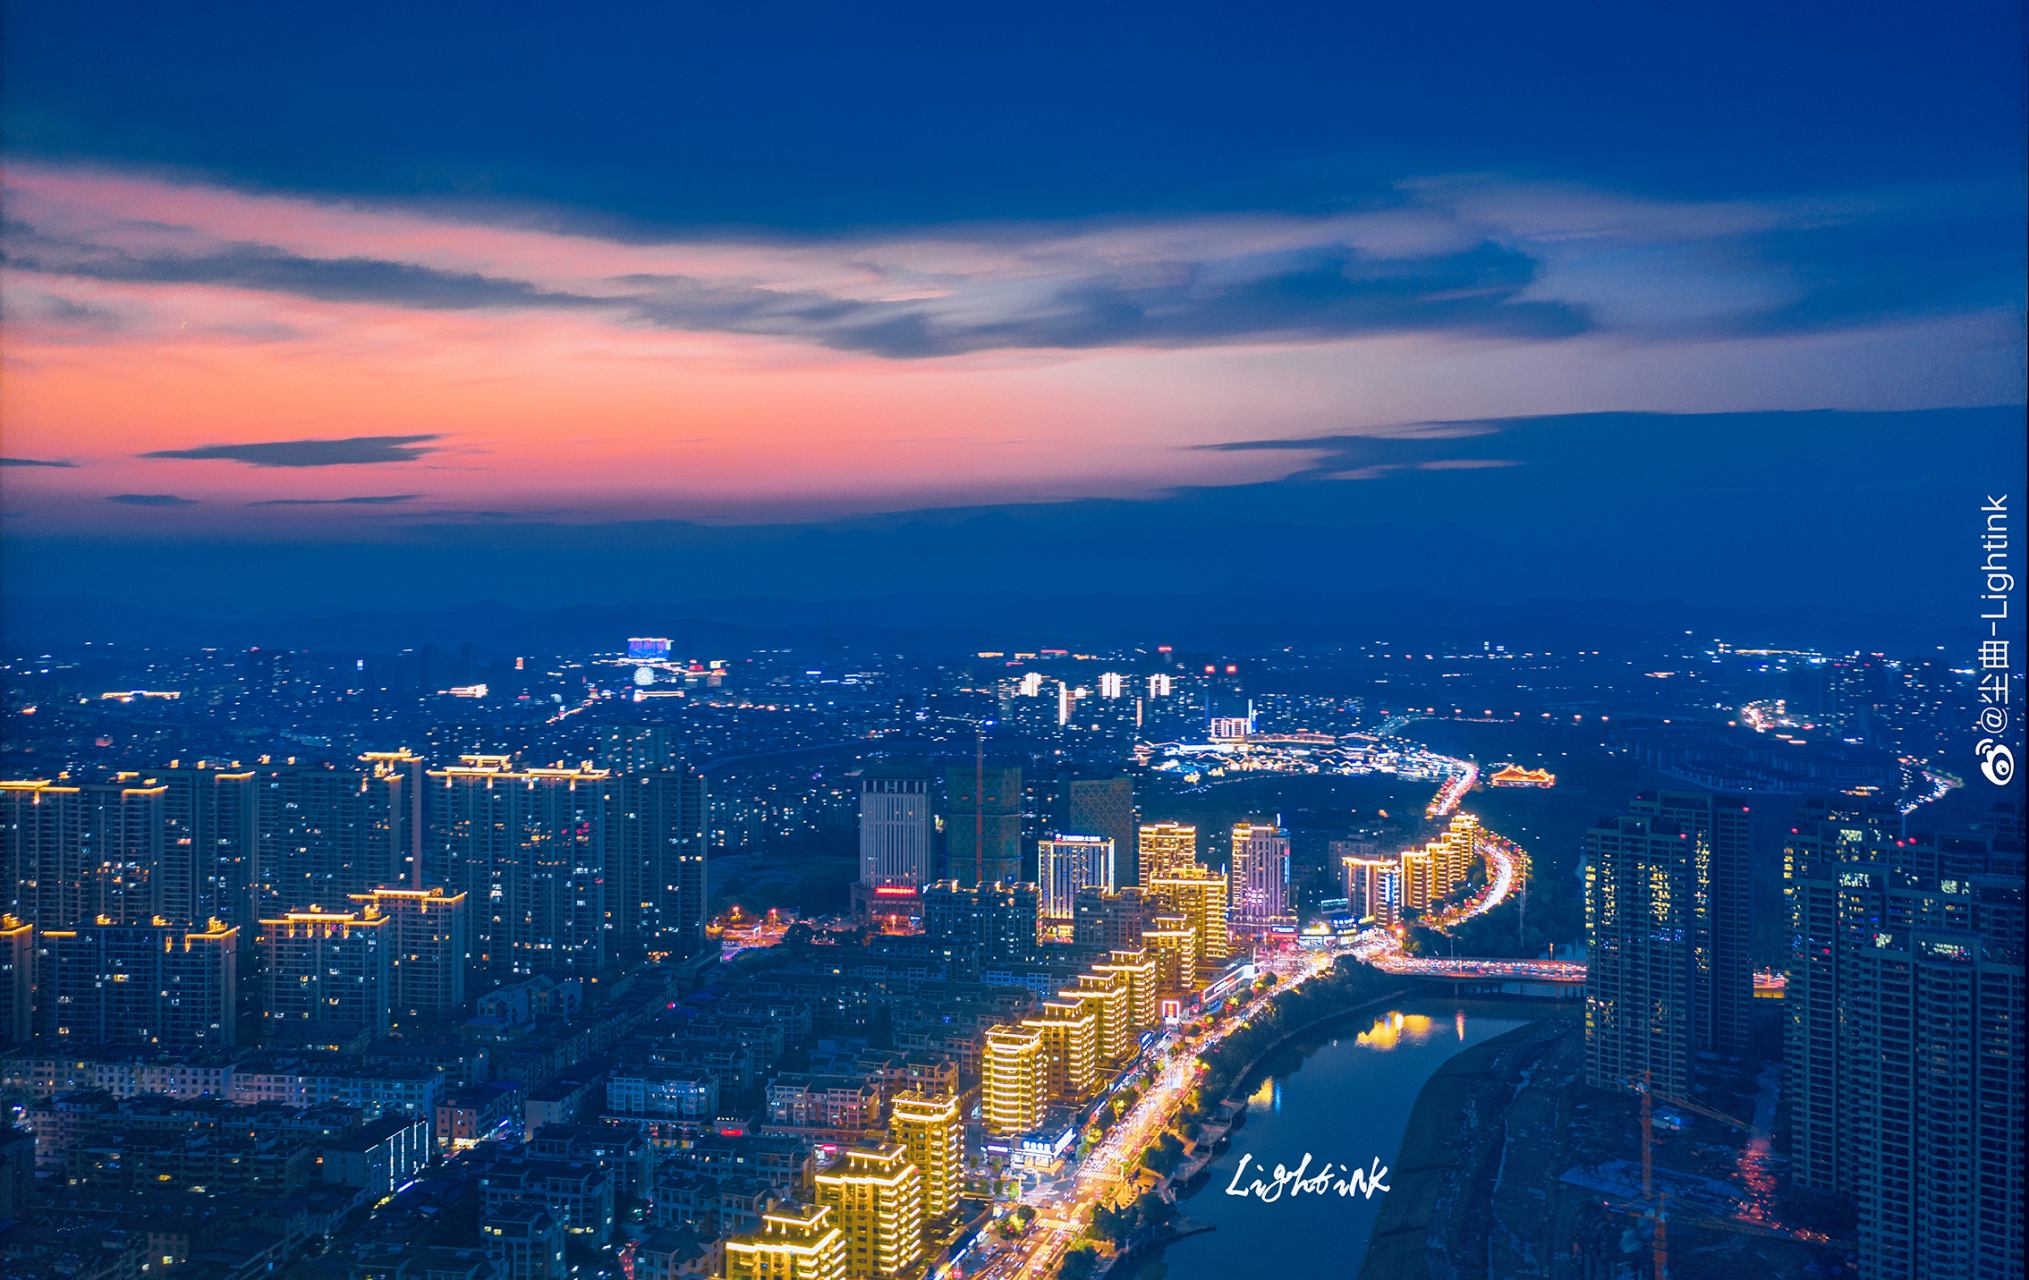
x: 795, y: 1242
x: 876, y: 1198
x: 1199, y: 897
x: 1013, y: 1080
x: 1166, y: 848
x: 1454, y: 853
x: 1373, y: 888
x: 1417, y: 875
x: 1070, y: 1032
x: 931, y: 1127
x: 1137, y: 967
x: 1173, y: 944
x: 1106, y: 995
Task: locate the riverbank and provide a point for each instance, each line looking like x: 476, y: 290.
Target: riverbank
x: 1479, y: 1192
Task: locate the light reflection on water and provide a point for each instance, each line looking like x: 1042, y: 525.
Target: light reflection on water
x: 1390, y: 1028
x: 1348, y: 1101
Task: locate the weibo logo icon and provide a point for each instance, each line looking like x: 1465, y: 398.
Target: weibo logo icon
x: 1996, y: 761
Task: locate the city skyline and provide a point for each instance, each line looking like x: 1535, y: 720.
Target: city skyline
x: 668, y: 642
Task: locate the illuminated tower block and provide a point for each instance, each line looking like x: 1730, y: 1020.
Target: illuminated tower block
x: 528, y: 847
x: 1106, y: 994
x: 876, y: 1198
x: 77, y: 854
x: 1165, y: 847
x: 1372, y: 886
x: 1013, y: 1080
x: 795, y: 1242
x: 656, y: 834
x: 1135, y: 965
x: 1260, y: 878
x: 895, y: 828
x: 1417, y: 875
x: 426, y: 949
x: 1070, y: 1032
x: 1173, y: 944
x: 148, y: 987
x: 1723, y: 984
x: 933, y: 1131
x: 209, y: 839
x: 324, y: 967
x: 1065, y: 865
x: 1199, y: 897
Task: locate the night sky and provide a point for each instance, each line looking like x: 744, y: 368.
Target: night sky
x: 1722, y: 303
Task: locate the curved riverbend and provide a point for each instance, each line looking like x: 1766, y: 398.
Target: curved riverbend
x: 1343, y: 1094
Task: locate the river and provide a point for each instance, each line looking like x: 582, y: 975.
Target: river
x: 1343, y: 1094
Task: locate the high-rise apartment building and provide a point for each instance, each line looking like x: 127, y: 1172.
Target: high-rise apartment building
x: 1065, y: 865
x: 323, y: 834
x: 1107, y: 995
x: 528, y: 847
x: 795, y: 1242
x: 895, y: 828
x: 876, y: 1198
x: 1668, y: 974
x: 1134, y: 966
x: 983, y: 824
x: 1172, y: 944
x: 1070, y: 1039
x: 1104, y: 807
x: 640, y: 748
x: 1104, y: 919
x: 1723, y: 973
x: 1200, y: 898
x: 1638, y: 904
x: 425, y: 941
x: 1416, y: 873
x: 132, y: 987
x: 656, y: 831
x: 1373, y: 888
x: 1904, y: 1050
x: 82, y: 853
x: 997, y: 921
x: 1164, y: 848
x: 1013, y: 1080
x: 325, y: 974
x: 17, y: 981
x: 932, y: 1130
x: 1260, y: 879
x: 208, y: 844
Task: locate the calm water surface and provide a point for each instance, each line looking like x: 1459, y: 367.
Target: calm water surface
x: 1344, y: 1095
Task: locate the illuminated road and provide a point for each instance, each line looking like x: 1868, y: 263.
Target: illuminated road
x: 1114, y: 1159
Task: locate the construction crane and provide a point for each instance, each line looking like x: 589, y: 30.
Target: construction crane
x: 1654, y: 1208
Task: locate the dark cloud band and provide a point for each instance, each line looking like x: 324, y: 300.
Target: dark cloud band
x: 353, y: 450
